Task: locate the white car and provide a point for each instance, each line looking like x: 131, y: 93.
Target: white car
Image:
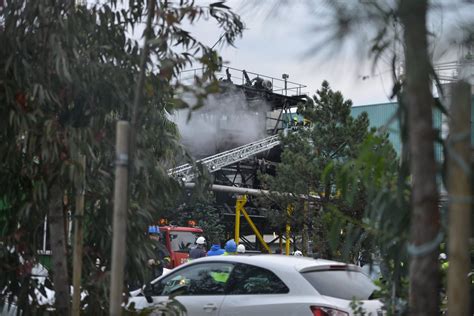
x: 263, y: 285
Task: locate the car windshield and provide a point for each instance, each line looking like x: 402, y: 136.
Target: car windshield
x: 343, y: 284
x: 182, y: 241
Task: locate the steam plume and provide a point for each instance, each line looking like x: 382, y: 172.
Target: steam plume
x: 227, y: 120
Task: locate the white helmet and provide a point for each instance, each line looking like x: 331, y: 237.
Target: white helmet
x: 201, y: 240
x: 298, y: 253
x: 240, y: 248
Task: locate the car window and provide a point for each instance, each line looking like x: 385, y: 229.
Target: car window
x: 182, y: 241
x: 344, y: 284
x: 248, y: 279
x: 199, y: 279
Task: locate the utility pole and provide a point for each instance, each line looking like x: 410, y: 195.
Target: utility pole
x: 285, y: 78
x: 305, y: 234
x: 78, y: 233
x: 120, y: 217
x: 459, y: 188
x: 289, y: 211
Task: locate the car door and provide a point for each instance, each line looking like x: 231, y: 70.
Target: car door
x: 199, y: 287
x: 253, y: 290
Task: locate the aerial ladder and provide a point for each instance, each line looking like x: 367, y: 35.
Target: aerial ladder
x: 186, y: 172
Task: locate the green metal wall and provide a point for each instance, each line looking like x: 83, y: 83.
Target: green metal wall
x: 383, y: 116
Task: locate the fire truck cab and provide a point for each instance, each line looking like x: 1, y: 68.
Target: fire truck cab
x: 179, y: 240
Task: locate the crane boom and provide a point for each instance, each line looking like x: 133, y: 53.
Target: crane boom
x: 226, y: 158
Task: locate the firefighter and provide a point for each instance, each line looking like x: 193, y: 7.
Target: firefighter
x: 199, y: 251
x: 230, y: 248
x: 295, y: 120
x: 161, y: 254
x: 298, y: 253
x: 240, y: 249
x: 216, y: 250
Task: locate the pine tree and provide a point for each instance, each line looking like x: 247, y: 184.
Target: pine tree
x: 332, y: 139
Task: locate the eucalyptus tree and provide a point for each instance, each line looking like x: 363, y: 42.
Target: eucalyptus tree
x: 407, y: 216
x: 399, y: 30
x: 68, y: 74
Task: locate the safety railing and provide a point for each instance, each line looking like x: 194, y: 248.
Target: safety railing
x: 237, y: 76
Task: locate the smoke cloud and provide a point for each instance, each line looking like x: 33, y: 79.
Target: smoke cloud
x: 227, y: 120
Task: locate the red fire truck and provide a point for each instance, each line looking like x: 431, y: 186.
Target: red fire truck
x: 179, y: 240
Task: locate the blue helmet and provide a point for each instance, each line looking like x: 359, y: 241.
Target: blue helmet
x: 230, y: 246
x: 153, y: 230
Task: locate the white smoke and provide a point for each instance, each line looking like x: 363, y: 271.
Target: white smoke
x: 226, y: 120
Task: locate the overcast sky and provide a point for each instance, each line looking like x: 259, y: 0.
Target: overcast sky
x: 273, y: 44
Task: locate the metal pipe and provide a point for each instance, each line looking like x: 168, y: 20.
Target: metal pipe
x: 250, y: 191
x: 289, y: 210
x: 45, y: 231
x: 239, y: 205
x: 231, y: 189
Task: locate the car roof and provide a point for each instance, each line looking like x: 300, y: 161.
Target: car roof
x: 287, y: 268
x: 278, y: 261
x: 181, y: 229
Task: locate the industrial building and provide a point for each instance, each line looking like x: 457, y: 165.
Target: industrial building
x: 383, y: 116
x: 236, y: 156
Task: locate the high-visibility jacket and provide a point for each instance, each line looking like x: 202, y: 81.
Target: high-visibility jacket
x: 220, y: 276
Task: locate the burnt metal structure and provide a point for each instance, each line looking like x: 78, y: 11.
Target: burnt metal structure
x: 280, y: 93
x: 239, y: 166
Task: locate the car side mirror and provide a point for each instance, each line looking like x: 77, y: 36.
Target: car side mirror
x: 148, y: 292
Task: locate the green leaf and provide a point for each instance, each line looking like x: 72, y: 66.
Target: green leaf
x: 219, y: 4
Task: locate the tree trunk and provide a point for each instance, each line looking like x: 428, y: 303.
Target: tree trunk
x: 58, y: 249
x: 424, y: 274
x: 78, y: 240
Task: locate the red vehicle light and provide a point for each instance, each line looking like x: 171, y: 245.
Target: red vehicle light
x: 163, y: 221
x: 326, y: 311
